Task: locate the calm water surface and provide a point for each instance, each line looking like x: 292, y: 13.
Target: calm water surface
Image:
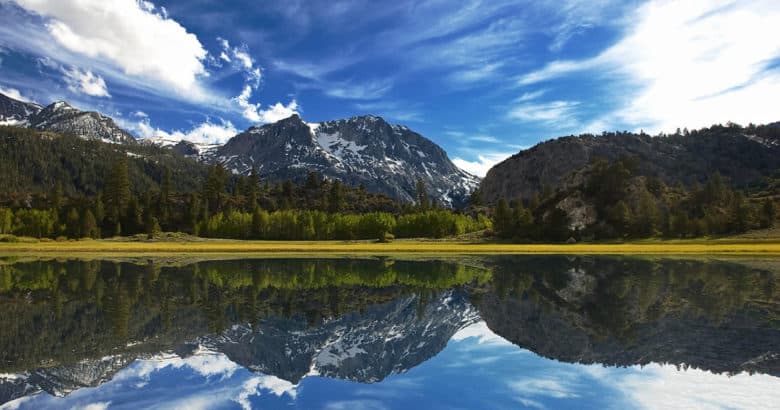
x: 385, y: 333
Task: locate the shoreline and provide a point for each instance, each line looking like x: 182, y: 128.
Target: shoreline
x: 732, y: 246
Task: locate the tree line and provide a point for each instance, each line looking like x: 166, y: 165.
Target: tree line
x: 614, y: 201
x: 231, y: 206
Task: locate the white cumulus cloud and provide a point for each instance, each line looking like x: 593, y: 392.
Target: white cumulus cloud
x: 482, y: 164
x: 204, y: 133
x: 86, y: 82
x: 129, y: 34
x: 254, y: 113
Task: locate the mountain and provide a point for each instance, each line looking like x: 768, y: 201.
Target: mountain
x: 199, y: 151
x: 15, y: 112
x: 33, y: 161
x: 364, y: 347
x: 741, y: 154
x: 364, y: 150
x: 62, y: 118
x: 386, y: 159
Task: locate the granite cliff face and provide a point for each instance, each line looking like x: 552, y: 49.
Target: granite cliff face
x: 366, y: 150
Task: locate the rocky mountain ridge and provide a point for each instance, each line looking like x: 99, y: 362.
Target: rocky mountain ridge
x: 363, y: 150
x: 385, y: 158
x: 741, y: 154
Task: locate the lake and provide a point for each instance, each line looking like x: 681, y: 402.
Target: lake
x: 479, y: 332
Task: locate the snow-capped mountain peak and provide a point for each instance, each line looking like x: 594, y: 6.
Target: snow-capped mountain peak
x: 360, y: 150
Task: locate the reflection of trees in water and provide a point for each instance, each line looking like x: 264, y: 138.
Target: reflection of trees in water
x: 65, y: 310
x: 626, y: 311
x: 621, y: 292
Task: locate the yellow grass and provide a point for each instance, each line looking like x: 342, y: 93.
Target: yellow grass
x: 730, y: 246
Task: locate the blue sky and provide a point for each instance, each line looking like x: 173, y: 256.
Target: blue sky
x: 477, y: 369
x: 483, y: 79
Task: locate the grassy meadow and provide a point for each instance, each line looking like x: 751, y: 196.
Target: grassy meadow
x: 734, y: 245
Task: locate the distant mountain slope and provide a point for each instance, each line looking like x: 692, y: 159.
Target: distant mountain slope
x: 34, y: 161
x: 15, y: 112
x: 386, y: 159
x: 364, y: 150
x: 62, y: 118
x: 741, y: 154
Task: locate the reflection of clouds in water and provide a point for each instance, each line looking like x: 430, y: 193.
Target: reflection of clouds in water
x: 664, y: 387
x: 482, y: 332
x: 205, y: 380
x: 544, y: 387
x: 477, y: 369
x: 537, y: 382
x: 273, y: 384
x: 355, y: 405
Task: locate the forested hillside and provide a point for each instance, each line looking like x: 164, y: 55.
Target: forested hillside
x: 66, y: 186
x: 35, y: 162
x: 742, y: 155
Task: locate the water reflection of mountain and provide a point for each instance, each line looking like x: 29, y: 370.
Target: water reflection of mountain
x: 718, y: 316
x: 70, y: 324
x: 74, y: 323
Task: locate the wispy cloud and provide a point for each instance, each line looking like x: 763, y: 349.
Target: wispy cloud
x: 690, y: 63
x: 85, y: 82
x: 560, y: 114
x: 392, y: 110
x: 355, y: 90
x: 355, y: 404
x: 484, y: 138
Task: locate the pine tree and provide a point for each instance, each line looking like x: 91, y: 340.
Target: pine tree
x: 117, y: 193
x: 165, y: 196
x: 89, y: 228
x: 214, y: 188
x: 313, y: 181
x: 73, y: 224
x: 335, y: 197
x: 522, y: 220
x: 423, y: 202
x: 475, y: 199
x: 133, y: 221
x: 152, y: 227
x: 502, y: 220
x: 100, y: 212
x: 252, y: 193
x: 768, y: 214
x: 193, y: 212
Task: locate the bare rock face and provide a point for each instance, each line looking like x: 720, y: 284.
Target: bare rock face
x: 63, y: 118
x: 366, y: 150
x: 15, y: 112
